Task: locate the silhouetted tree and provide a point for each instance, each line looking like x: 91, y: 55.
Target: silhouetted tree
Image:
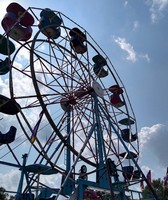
x: 161, y: 191
x: 4, y: 195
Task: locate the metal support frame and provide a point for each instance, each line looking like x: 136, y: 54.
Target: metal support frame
x: 132, y: 158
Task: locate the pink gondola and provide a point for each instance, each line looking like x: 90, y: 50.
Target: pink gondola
x: 116, y: 100
x: 17, y: 22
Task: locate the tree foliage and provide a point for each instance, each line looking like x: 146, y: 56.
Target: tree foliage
x: 161, y: 191
x: 4, y: 195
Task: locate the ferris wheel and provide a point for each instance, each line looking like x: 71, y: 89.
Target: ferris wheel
x: 75, y: 122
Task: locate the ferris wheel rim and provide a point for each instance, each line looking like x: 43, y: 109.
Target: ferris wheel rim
x: 34, y: 78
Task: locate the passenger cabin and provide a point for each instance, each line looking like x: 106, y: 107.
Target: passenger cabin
x: 17, y: 22
x: 5, y: 66
x: 129, y: 173
x: 8, y: 106
x: 8, y: 137
x: 116, y: 89
x: 6, y: 46
x: 98, y: 67
x: 50, y: 24
x: 115, y: 99
x: 129, y: 155
x: 77, y: 39
x: 126, y: 121
x: 127, y: 135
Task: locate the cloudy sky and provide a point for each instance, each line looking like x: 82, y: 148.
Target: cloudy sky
x: 134, y: 36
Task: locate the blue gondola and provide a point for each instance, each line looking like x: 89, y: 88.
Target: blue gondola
x: 6, y: 46
x: 98, y: 67
x: 126, y: 121
x: 127, y: 135
x: 77, y: 41
x: 4, y: 66
x: 9, y: 136
x: 50, y: 24
x: 8, y: 106
x: 129, y: 155
x: 130, y: 173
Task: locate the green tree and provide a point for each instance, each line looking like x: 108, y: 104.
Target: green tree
x: 3, y: 195
x: 161, y: 191
x: 11, y: 197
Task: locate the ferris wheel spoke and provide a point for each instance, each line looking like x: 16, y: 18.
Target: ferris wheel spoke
x: 81, y: 133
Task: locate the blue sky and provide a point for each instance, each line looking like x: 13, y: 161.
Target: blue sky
x: 134, y: 36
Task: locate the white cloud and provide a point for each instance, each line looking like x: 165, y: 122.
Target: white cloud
x: 10, y: 179
x: 135, y: 25
x: 24, y: 53
x: 132, y: 55
x: 157, y: 8
x: 4, y: 86
x: 126, y: 46
x: 145, y: 169
x: 145, y: 57
x: 154, y: 139
x: 125, y: 3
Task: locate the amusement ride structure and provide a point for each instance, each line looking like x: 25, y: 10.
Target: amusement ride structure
x: 70, y: 115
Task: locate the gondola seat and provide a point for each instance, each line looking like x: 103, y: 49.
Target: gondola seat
x: 126, y: 121
x: 129, y: 155
x: 15, y: 30
x: 9, y: 136
x: 116, y: 100
x: 17, y: 22
x: 129, y: 173
x: 8, y: 106
x: 77, y: 39
x: 6, y: 46
x: 4, y: 66
x: 116, y: 89
x: 127, y: 135
x: 98, y: 67
x: 50, y: 24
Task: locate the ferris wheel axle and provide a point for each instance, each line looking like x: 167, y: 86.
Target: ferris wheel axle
x: 71, y: 100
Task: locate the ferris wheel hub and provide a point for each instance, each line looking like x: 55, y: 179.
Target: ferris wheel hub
x: 74, y: 97
x: 98, y: 89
